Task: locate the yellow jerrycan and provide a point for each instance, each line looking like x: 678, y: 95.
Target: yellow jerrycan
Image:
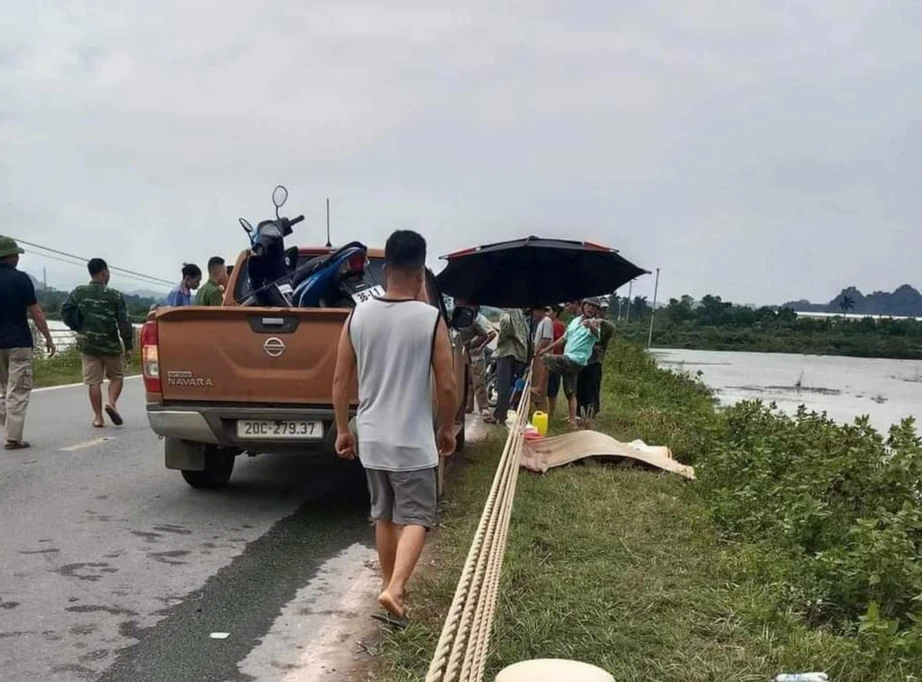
x: 539, y: 421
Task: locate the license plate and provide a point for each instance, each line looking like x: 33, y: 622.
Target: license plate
x: 265, y: 429
x: 368, y: 294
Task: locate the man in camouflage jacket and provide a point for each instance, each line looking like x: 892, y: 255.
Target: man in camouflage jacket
x: 99, y: 315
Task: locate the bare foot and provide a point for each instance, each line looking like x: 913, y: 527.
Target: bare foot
x: 392, y: 603
x: 98, y: 423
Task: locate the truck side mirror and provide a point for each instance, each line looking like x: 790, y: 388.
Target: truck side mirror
x: 462, y: 317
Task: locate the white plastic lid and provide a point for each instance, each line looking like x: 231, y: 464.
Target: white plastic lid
x: 553, y: 670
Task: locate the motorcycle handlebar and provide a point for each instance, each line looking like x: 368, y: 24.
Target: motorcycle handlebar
x: 295, y: 221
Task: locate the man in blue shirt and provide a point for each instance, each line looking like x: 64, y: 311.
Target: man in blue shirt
x: 578, y: 341
x: 191, y: 278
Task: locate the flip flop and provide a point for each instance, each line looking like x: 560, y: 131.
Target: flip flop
x: 16, y: 445
x: 114, y: 415
x: 391, y: 620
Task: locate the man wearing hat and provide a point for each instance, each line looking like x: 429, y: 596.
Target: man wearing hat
x: 578, y: 342
x: 17, y: 301
x: 589, y: 384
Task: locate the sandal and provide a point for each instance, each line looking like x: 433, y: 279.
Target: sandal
x: 391, y: 620
x: 16, y: 445
x: 114, y: 415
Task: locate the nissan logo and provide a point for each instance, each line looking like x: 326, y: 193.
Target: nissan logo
x: 274, y: 347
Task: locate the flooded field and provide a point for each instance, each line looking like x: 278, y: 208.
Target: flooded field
x: 844, y: 388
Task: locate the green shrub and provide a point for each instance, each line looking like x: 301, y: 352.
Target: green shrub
x: 66, y: 368
x: 835, y: 508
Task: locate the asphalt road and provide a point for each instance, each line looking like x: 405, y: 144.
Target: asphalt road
x: 112, y: 568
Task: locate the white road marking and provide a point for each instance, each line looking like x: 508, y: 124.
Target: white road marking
x: 58, y: 388
x: 87, y: 444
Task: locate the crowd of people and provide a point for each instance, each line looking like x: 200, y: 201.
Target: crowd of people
x: 568, y: 356
x: 105, y: 337
x: 389, y: 349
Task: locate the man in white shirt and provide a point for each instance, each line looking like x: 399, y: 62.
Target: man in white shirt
x: 393, y: 346
x: 543, y: 337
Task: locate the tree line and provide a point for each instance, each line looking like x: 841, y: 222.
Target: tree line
x: 52, y: 299
x: 714, y: 324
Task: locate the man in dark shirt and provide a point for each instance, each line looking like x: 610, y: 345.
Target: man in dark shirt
x: 99, y: 315
x: 17, y: 299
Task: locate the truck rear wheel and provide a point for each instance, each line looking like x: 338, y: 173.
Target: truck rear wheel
x: 219, y: 465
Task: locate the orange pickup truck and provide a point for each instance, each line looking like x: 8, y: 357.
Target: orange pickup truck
x: 234, y: 379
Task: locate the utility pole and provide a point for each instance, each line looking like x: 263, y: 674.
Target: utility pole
x: 653, y: 312
x: 329, y: 243
x: 44, y: 279
x: 630, y: 288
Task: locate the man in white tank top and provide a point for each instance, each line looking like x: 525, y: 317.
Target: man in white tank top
x: 394, y: 345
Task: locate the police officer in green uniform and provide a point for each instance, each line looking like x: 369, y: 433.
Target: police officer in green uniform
x: 212, y: 292
x: 99, y: 315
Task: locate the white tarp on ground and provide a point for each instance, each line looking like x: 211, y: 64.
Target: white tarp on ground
x: 547, y: 453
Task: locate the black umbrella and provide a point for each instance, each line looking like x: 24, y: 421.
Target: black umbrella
x: 534, y: 272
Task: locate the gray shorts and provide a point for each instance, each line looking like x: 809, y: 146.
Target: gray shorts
x: 567, y: 369
x: 407, y: 498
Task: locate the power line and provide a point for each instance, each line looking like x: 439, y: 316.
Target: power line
x: 131, y: 273
x: 82, y: 266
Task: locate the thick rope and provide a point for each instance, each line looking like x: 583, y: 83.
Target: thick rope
x: 461, y: 653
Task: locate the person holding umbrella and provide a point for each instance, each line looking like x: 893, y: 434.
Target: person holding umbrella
x: 578, y: 343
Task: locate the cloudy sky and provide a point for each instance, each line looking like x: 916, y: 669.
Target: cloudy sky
x: 762, y: 151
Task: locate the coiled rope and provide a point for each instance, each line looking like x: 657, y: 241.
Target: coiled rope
x: 463, y: 646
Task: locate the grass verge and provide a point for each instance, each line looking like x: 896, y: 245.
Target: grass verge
x: 65, y: 368
x: 637, y: 571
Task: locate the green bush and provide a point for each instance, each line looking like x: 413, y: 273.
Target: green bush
x: 835, y: 508
x: 796, y: 549
x: 66, y: 368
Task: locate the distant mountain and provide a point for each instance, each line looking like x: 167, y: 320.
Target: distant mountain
x: 145, y: 293
x: 904, y: 301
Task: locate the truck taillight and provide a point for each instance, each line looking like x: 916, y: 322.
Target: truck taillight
x: 150, y: 357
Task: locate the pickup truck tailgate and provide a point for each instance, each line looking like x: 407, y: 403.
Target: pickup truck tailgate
x: 253, y: 355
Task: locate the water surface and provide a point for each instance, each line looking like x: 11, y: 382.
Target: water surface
x: 844, y: 388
